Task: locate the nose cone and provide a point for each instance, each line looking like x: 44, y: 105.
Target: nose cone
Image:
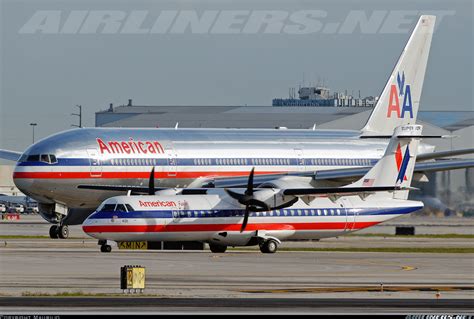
x: 23, y: 181
x: 88, y: 226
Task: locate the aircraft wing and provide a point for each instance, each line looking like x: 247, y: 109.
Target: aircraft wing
x: 140, y: 190
x: 340, y: 191
x: 435, y: 155
x: 342, y: 174
x: 9, y: 155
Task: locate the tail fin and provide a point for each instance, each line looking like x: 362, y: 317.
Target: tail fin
x: 400, y: 99
x: 396, y: 166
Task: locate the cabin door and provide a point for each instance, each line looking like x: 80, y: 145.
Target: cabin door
x: 95, y: 165
x: 172, y: 161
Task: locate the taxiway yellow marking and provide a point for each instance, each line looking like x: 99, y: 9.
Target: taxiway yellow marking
x: 409, y: 268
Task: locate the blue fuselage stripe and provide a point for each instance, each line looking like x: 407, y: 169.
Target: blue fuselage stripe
x: 210, y: 162
x: 323, y: 212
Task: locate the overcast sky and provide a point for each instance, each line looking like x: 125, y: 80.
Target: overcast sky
x: 56, y: 54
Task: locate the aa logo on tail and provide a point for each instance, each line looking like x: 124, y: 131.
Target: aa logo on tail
x: 402, y: 163
x: 398, y: 92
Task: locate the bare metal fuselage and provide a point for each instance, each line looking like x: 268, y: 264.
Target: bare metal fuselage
x: 182, y: 158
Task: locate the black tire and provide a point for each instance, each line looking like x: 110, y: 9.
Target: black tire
x: 217, y: 248
x: 106, y: 248
x: 53, y: 232
x: 269, y: 247
x: 63, y: 232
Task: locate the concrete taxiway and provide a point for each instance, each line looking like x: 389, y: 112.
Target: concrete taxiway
x: 236, y: 281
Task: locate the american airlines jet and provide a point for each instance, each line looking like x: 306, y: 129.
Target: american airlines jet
x: 72, y: 172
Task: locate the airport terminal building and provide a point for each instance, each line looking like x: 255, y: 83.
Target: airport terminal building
x: 446, y: 192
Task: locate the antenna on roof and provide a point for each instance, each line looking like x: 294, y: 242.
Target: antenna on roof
x: 314, y: 127
x: 176, y: 126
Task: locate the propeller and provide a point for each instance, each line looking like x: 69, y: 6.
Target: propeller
x: 247, y: 199
x: 151, y: 182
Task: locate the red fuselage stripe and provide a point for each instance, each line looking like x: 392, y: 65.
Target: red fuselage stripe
x: 121, y: 175
x: 222, y: 227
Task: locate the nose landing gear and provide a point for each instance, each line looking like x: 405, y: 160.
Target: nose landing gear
x: 59, y: 231
x: 104, y: 247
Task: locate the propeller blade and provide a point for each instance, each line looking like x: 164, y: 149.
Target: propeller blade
x: 246, y: 218
x: 151, y: 182
x: 249, y: 190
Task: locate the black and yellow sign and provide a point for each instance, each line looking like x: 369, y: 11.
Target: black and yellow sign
x: 135, y: 245
x: 132, y: 277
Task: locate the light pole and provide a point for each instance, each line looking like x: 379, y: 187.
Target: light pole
x: 33, y: 126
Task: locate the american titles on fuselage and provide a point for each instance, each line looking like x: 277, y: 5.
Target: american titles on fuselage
x: 157, y: 203
x: 130, y: 147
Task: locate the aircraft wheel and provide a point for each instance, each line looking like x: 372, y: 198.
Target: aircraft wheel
x: 53, y: 231
x: 217, y: 248
x: 269, y: 247
x: 106, y: 248
x: 63, y: 231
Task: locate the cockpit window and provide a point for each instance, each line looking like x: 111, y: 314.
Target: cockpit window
x: 116, y: 208
x: 33, y: 158
x: 108, y: 208
x: 44, y: 158
x: 120, y: 208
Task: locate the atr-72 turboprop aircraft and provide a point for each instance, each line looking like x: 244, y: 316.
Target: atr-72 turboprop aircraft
x: 72, y: 172
x: 265, y: 216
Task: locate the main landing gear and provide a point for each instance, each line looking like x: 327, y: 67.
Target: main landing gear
x: 217, y: 248
x: 59, y: 231
x: 269, y: 246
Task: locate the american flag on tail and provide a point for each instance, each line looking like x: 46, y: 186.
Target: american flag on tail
x: 368, y: 182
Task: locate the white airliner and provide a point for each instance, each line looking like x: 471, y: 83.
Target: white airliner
x: 72, y: 172
x: 265, y: 216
